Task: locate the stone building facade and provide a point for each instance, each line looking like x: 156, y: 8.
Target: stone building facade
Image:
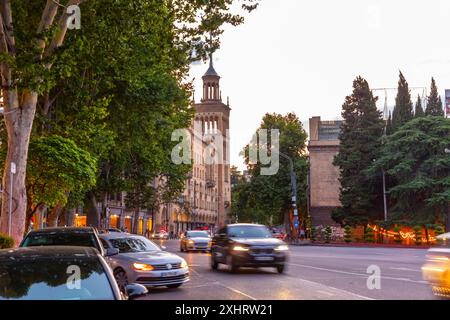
x: 324, y: 186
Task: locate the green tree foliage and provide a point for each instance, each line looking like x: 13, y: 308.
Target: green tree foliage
x: 434, y: 104
x: 74, y: 80
x: 403, y: 110
x: 360, y: 142
x: 57, y: 167
x: 415, y: 157
x: 419, y: 109
x: 268, y: 197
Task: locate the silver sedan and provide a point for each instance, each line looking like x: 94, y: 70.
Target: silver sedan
x: 195, y: 240
x: 142, y: 261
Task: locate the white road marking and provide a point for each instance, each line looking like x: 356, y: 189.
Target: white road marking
x: 356, y: 274
x: 336, y: 289
x: 405, y: 269
x: 238, y: 292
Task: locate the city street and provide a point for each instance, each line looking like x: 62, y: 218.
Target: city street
x: 313, y: 272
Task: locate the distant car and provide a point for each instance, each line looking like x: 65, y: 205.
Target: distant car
x: 247, y: 245
x: 162, y: 235
x: 195, y: 240
x: 279, y: 235
x: 142, y: 261
x: 437, y: 268
x: 84, y: 237
x: 45, y: 273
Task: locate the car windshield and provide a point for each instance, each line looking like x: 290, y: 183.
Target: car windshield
x: 198, y: 234
x: 248, y: 232
x: 82, y: 239
x: 54, y: 279
x: 134, y: 244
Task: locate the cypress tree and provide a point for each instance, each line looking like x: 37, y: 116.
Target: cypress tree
x: 360, y: 143
x: 419, y: 110
x: 434, y: 106
x: 403, y: 110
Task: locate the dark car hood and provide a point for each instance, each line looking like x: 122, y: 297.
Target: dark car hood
x: 259, y: 241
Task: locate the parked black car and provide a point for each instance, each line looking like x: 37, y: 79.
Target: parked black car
x: 59, y: 273
x: 247, y: 245
x: 64, y: 236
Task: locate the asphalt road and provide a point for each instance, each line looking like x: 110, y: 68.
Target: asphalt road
x: 313, y: 273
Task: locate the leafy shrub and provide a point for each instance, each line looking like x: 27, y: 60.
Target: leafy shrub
x: 327, y: 233
x: 6, y: 242
x: 418, y: 234
x: 368, y: 235
x: 348, y: 234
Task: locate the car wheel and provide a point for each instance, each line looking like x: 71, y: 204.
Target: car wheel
x: 181, y: 248
x: 174, y: 286
x: 121, y: 278
x: 280, y: 269
x: 214, y: 264
x: 232, y: 267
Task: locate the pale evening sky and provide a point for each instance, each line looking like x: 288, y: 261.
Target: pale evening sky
x: 302, y: 56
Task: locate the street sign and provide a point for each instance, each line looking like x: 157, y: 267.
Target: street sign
x: 13, y: 168
x: 296, y: 222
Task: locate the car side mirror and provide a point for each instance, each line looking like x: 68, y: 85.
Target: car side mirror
x: 135, y: 290
x: 112, y: 252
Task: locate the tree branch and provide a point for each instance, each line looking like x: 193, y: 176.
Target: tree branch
x: 58, y: 40
x: 6, y: 13
x: 48, y: 16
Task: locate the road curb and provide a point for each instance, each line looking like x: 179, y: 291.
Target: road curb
x: 363, y: 245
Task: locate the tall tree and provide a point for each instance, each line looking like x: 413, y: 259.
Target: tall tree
x: 360, y: 142
x: 419, y: 109
x: 268, y: 198
x: 415, y: 157
x: 434, y: 103
x: 33, y: 61
x: 403, y: 110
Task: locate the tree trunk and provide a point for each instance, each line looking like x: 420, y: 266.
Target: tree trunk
x: 70, y: 217
x: 93, y: 216
x: 53, y: 217
x: 18, y: 122
x: 136, y: 222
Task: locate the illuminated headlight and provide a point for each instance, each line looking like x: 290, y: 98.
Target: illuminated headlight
x: 142, y: 266
x: 240, y: 248
x: 184, y: 264
x: 191, y: 241
x: 283, y: 247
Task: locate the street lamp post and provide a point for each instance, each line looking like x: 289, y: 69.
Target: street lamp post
x: 294, y: 191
